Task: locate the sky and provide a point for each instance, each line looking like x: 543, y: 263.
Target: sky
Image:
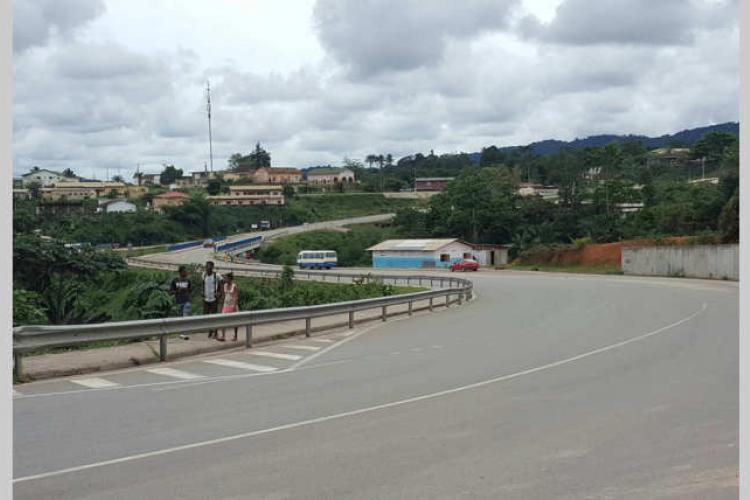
x: 107, y: 86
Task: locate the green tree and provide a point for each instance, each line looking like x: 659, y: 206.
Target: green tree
x: 712, y: 147
x: 169, y: 175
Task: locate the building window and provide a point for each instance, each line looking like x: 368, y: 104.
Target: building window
x: 444, y: 257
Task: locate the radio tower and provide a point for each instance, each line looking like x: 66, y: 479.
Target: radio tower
x: 208, y: 110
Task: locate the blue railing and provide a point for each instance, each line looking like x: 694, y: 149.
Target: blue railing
x: 182, y: 246
x: 191, y: 244
x: 239, y: 244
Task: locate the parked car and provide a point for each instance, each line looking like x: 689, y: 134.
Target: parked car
x: 465, y: 265
x: 208, y: 243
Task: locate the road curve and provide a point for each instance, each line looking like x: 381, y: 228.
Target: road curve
x: 545, y: 386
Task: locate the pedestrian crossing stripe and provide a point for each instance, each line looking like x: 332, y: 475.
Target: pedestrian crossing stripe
x: 276, y: 355
x: 94, y: 383
x: 171, y: 372
x: 241, y: 365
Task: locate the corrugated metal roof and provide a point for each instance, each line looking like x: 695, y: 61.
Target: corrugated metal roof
x: 426, y: 245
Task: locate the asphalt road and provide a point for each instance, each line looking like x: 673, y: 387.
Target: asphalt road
x: 545, y: 386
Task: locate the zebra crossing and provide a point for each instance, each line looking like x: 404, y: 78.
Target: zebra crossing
x: 266, y: 360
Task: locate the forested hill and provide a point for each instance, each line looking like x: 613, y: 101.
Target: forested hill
x: 685, y: 138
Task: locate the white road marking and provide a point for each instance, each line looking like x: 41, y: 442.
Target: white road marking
x: 301, y: 347
x: 360, y: 411
x: 241, y: 365
x: 94, y: 382
x: 171, y: 372
x: 324, y: 341
x: 277, y: 355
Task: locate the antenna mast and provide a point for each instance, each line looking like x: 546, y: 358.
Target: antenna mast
x: 208, y: 110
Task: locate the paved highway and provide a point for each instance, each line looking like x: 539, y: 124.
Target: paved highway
x: 544, y: 386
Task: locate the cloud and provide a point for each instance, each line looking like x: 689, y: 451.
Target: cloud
x: 36, y: 21
x: 636, y: 22
x: 397, y: 78
x: 372, y: 36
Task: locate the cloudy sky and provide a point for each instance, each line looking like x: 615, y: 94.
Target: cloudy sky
x: 102, y: 86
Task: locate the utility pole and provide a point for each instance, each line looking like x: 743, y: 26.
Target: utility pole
x: 703, y: 168
x: 208, y: 110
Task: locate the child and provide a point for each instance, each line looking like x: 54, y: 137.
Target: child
x: 181, y: 290
x: 231, y: 298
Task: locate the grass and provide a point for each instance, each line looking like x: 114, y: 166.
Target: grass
x: 566, y: 269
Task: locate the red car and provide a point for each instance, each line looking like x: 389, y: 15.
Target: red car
x: 465, y: 265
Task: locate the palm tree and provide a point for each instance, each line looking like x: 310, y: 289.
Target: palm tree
x: 381, y: 160
x: 371, y: 159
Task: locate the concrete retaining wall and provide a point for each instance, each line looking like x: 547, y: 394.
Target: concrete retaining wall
x: 694, y: 261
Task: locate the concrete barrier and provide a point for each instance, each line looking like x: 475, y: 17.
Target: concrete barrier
x: 690, y: 261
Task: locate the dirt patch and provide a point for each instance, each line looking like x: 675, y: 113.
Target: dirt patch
x: 594, y: 254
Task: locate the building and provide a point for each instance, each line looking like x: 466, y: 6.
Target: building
x: 330, y: 175
x: 427, y: 253
x: 184, y: 182
x: 431, y: 184
x: 668, y: 156
x: 21, y: 194
x: 132, y: 191
x: 265, y: 175
x: 531, y: 189
x: 115, y: 207
x: 17, y: 183
x: 168, y: 199
x: 44, y: 177
x: 82, y: 190
x: 151, y: 179
x: 250, y: 195
x: 491, y: 255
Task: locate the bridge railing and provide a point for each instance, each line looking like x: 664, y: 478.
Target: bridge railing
x: 27, y: 339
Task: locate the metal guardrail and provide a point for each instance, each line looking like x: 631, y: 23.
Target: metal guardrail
x: 28, y: 339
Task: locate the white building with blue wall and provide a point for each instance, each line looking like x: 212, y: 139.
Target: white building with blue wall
x: 428, y: 253
x: 434, y: 253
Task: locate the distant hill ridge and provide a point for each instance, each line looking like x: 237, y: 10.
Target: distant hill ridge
x: 684, y: 138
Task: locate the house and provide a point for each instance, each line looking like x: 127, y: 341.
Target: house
x: 531, y: 189
x: 431, y: 184
x: 168, y: 199
x: 17, y: 183
x: 132, y: 191
x: 81, y: 190
x: 427, y: 253
x: 183, y: 182
x: 115, y: 206
x: 21, y: 194
x: 250, y: 195
x: 44, y: 177
x: 265, y: 175
x: 668, y: 156
x: 330, y: 175
x: 151, y: 179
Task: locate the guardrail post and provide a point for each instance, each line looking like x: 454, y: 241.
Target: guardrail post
x: 431, y: 283
x: 351, y: 319
x: 460, y: 298
x: 18, y: 366
x: 162, y: 347
x: 410, y: 307
x: 384, y: 313
x: 249, y: 335
x: 447, y: 300
x: 442, y: 283
x: 420, y: 281
x: 431, y: 306
x: 307, y: 326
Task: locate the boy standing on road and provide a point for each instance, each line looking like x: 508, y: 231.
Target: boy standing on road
x: 211, y: 292
x: 181, y: 289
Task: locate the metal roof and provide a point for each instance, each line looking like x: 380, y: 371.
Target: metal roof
x: 426, y: 245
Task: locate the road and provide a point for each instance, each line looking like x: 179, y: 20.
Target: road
x: 544, y: 386
x: 199, y: 255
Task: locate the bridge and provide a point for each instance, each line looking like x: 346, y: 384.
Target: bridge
x: 541, y: 386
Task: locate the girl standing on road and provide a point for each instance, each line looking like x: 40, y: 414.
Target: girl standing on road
x: 231, y: 298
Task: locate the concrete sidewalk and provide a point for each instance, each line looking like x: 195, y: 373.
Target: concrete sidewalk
x: 146, y: 352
